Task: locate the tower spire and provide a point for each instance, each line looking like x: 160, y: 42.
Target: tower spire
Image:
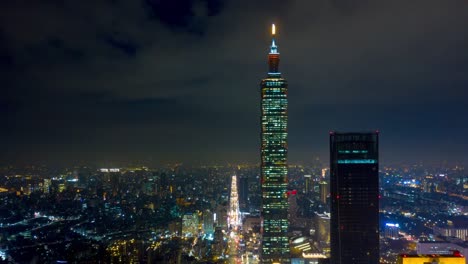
x: 273, y: 47
x: 273, y: 56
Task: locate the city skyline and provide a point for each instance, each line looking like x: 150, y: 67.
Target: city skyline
x: 152, y: 82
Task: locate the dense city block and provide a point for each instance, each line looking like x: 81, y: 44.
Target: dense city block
x: 180, y: 214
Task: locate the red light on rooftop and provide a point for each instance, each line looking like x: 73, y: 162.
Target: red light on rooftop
x: 457, y: 253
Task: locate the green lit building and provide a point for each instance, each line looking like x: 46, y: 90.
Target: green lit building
x: 274, y: 166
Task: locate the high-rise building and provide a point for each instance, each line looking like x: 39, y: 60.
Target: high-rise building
x: 46, y: 185
x: 459, y: 230
x: 322, y: 229
x: 323, y: 191
x: 190, y: 222
x: 274, y: 168
x: 354, y: 191
x: 208, y: 222
x: 392, y: 230
x: 243, y: 193
x: 440, y: 248
x: 221, y: 216
x: 163, y: 185
x: 308, y: 186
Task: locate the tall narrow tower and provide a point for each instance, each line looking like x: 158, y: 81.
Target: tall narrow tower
x: 274, y: 166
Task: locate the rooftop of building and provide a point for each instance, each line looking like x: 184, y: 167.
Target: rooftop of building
x: 456, y: 254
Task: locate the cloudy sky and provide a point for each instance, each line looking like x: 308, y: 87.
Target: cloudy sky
x: 155, y: 81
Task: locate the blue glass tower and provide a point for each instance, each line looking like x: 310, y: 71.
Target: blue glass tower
x: 274, y: 166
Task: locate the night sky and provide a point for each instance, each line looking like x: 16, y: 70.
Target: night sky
x: 149, y: 82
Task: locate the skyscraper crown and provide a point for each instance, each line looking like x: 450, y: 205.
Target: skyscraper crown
x: 273, y: 56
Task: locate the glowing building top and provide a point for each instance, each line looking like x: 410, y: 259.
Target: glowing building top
x: 273, y: 48
x: 273, y: 56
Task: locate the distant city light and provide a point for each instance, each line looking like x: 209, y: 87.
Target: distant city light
x: 109, y: 170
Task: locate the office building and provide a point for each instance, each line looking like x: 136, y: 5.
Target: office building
x: 190, y: 222
x: 459, y: 231
x: 323, y: 191
x: 441, y: 248
x: 46, y: 186
x: 243, y: 193
x: 322, y: 226
x: 274, y: 167
x: 354, y: 191
x: 308, y: 186
x: 208, y: 222
x: 392, y: 231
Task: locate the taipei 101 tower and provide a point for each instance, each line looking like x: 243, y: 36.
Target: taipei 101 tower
x: 274, y: 165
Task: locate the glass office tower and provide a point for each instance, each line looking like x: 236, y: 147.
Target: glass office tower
x: 354, y: 190
x: 274, y: 167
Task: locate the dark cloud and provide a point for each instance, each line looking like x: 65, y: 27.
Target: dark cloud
x: 178, y: 80
x: 184, y: 14
x: 126, y: 46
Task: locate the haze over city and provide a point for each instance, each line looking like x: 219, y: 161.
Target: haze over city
x: 151, y: 82
x: 234, y: 132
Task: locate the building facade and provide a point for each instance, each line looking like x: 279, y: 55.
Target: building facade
x: 243, y: 193
x: 354, y: 191
x: 441, y: 248
x: 392, y: 231
x: 308, y: 186
x: 460, y: 232
x: 274, y: 168
x: 455, y: 258
x: 323, y: 192
x: 190, y: 222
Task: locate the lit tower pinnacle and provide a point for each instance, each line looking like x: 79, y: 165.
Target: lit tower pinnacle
x: 274, y: 167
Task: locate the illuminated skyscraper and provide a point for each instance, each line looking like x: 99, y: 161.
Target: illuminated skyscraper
x: 274, y: 168
x: 323, y: 191
x: 354, y: 191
